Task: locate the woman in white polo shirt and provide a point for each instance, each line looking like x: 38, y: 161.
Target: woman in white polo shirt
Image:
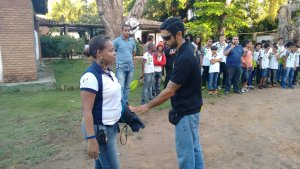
x: 101, y: 101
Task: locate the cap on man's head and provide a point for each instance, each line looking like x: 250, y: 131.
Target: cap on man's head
x: 214, y: 48
x: 173, y: 25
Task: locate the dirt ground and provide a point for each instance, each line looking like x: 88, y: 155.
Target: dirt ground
x: 256, y: 130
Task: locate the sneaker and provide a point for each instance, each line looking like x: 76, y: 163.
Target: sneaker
x: 219, y: 87
x: 243, y: 90
x: 226, y: 92
x: 292, y: 87
x: 260, y: 86
x: 251, y: 87
x: 247, y: 90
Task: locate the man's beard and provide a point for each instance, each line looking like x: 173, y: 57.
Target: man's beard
x: 173, y: 45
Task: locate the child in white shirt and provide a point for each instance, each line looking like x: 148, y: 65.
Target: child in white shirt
x: 148, y: 74
x: 214, y: 70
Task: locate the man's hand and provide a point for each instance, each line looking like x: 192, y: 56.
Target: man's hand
x: 140, y: 109
x: 93, y: 148
x: 232, y: 46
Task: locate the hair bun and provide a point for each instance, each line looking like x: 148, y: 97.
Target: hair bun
x: 87, y: 52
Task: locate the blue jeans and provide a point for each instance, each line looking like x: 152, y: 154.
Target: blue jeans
x: 233, y: 76
x: 108, y: 157
x: 156, y: 84
x: 245, y: 74
x: 279, y: 72
x: 147, y: 88
x: 188, y: 147
x: 251, y: 75
x: 125, y: 76
x: 287, y: 73
x: 212, y: 81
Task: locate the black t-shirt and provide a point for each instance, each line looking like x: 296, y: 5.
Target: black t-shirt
x: 169, y: 58
x: 187, y: 72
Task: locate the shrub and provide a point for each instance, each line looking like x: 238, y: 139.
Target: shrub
x: 61, y: 46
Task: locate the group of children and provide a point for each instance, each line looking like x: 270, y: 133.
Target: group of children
x: 268, y: 63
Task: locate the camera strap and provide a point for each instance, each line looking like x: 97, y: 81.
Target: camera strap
x: 124, y: 131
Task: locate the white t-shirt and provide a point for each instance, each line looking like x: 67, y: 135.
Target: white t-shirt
x: 206, y: 56
x: 111, y: 95
x: 221, y: 50
x: 213, y: 68
x: 297, y: 57
x: 149, y: 65
x: 273, y: 61
x: 280, y: 48
x: 291, y: 60
x: 255, y: 55
x: 264, y: 55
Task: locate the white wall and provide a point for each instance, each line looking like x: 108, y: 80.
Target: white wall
x: 1, y: 68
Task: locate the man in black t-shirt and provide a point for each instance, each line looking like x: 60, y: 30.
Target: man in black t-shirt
x: 184, y: 89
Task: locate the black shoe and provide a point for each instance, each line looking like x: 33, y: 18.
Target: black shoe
x: 260, y: 86
x: 237, y: 92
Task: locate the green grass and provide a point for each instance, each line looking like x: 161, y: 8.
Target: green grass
x: 32, y: 123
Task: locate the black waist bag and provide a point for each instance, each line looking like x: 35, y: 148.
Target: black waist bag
x: 174, y: 117
x: 131, y: 119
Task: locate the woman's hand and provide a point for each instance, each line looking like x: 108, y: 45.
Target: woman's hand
x: 93, y: 148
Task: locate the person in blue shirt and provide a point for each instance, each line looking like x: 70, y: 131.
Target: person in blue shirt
x: 234, y: 53
x: 125, y: 48
x: 184, y: 89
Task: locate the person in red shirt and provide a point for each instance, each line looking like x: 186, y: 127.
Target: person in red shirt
x: 159, y: 60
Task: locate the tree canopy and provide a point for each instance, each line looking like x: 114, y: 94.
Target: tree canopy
x: 78, y: 11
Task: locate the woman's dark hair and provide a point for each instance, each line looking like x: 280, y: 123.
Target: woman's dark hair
x: 257, y: 45
x: 267, y: 45
x: 96, y: 43
x: 245, y: 42
x: 199, y: 44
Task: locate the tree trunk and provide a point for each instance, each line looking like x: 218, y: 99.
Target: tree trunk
x: 111, y: 15
x: 138, y: 9
x: 283, y: 22
x: 222, y: 27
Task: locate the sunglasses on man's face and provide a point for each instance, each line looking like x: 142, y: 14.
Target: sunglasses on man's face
x: 166, y: 38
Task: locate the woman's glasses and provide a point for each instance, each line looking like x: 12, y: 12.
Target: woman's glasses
x: 166, y: 38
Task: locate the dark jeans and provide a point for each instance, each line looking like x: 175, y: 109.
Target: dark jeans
x: 295, y: 78
x: 234, y: 75
x: 168, y: 75
x: 251, y: 75
x: 223, y: 72
x: 279, y: 73
x: 258, y: 75
x: 156, y: 84
x: 205, y: 75
x: 273, y: 73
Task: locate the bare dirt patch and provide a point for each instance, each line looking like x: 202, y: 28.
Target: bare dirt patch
x: 256, y: 130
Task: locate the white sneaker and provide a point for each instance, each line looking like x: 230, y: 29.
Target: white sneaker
x: 247, y: 90
x: 243, y: 90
